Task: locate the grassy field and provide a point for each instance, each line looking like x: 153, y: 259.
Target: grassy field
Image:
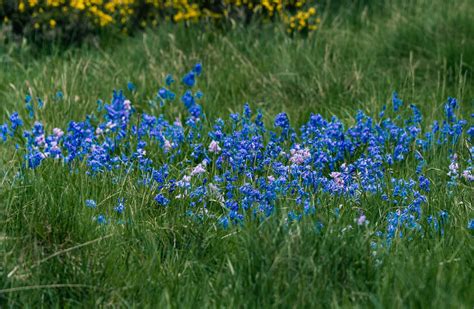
x: 53, y: 254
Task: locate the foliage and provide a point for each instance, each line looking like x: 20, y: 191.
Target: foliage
x: 74, y: 19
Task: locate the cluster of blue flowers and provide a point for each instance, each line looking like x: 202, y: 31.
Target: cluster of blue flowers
x: 239, y: 169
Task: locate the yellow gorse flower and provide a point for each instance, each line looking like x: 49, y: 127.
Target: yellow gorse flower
x: 297, y: 15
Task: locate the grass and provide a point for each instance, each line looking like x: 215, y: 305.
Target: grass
x: 52, y: 254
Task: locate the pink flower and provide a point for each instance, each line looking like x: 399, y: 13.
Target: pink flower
x: 299, y: 156
x: 40, y: 140
x: 337, y: 177
x: 178, y: 123
x: 58, y: 132
x: 467, y: 175
x: 214, y: 147
x: 361, y: 219
x: 199, y: 169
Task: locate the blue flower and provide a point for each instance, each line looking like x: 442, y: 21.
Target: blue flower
x: 470, y: 224
x: 169, y: 80
x: 281, y: 120
x: 397, y: 103
x: 424, y: 183
x: 29, y: 106
x: 197, y: 69
x: 120, y: 208
x: 101, y: 219
x: 40, y: 103
x: 91, y: 204
x: 131, y: 86
x: 16, y: 122
x: 188, y: 99
x: 189, y: 79
x: 224, y: 222
x: 163, y: 93
x: 4, y: 132
x: 162, y: 200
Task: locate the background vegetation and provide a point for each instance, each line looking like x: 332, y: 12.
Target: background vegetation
x: 72, y: 21
x: 53, y: 254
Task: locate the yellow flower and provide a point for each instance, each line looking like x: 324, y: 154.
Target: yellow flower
x: 21, y: 6
x: 52, y: 23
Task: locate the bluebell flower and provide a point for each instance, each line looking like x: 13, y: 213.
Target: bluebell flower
x: 40, y: 103
x: 424, y: 183
x: 281, y: 120
x: 318, y: 226
x: 397, y: 103
x: 224, y: 222
x: 449, y: 109
x: 15, y: 122
x: 35, y: 158
x: 120, y: 208
x: 470, y: 224
x: 163, y: 93
x: 101, y: 219
x: 29, y: 106
x: 188, y: 99
x: 443, y: 215
x: 27, y: 99
x: 91, y: 204
x: 162, y: 200
x: 131, y: 86
x: 470, y: 132
x: 169, y: 80
x: 100, y: 105
x: 4, y: 132
x: 197, y: 69
x: 189, y: 79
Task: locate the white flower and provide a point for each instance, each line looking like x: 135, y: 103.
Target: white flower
x: 127, y: 104
x: 185, y: 182
x: 178, y: 123
x: 40, y: 140
x: 167, y: 146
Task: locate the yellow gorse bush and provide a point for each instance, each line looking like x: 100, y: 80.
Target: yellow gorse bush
x: 85, y: 16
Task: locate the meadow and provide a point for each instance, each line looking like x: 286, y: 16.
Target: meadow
x: 329, y: 189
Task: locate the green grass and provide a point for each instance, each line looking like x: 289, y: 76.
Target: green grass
x: 52, y: 254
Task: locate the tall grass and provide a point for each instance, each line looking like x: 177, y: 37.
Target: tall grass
x: 53, y: 254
